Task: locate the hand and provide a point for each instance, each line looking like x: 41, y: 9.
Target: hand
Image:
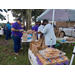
x: 21, y: 30
x: 33, y: 31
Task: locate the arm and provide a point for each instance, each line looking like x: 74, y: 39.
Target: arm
x: 33, y: 31
x: 39, y: 32
x: 6, y: 27
x: 14, y: 29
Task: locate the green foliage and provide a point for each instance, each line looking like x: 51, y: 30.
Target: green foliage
x: 19, y: 12
x: 2, y: 24
x: 2, y: 17
x: 37, y: 12
x: 22, y: 12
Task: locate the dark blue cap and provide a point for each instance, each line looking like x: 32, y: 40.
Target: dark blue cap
x: 19, y: 19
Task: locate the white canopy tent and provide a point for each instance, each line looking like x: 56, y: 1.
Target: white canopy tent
x: 57, y: 15
x: 60, y: 15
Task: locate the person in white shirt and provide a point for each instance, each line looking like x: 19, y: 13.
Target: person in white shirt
x: 39, y: 30
x: 47, y: 32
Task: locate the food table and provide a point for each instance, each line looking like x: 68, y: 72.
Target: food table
x: 61, y: 38
x: 63, y: 42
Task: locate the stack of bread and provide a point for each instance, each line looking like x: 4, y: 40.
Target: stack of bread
x: 51, y: 52
x: 52, y: 60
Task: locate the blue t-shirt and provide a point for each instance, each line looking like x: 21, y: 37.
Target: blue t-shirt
x: 17, y: 27
x: 9, y: 26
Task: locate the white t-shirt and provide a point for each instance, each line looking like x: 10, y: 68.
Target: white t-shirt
x: 40, y: 29
x: 47, y: 31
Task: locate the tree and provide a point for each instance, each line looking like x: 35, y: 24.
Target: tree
x: 37, y: 12
x: 2, y: 17
x: 25, y: 14
x: 19, y: 13
x: 28, y: 18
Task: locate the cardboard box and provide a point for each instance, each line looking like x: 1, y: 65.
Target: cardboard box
x: 58, y: 33
x: 70, y: 39
x: 61, y: 34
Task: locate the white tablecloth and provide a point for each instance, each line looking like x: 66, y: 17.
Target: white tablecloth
x: 28, y: 40
x: 64, y: 38
x: 32, y: 58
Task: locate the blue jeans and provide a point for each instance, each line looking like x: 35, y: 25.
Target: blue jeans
x: 8, y: 34
x: 17, y: 43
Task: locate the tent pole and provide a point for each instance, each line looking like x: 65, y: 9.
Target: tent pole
x: 69, y: 24
x: 52, y: 26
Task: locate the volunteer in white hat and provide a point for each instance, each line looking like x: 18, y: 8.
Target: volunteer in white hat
x: 47, y: 33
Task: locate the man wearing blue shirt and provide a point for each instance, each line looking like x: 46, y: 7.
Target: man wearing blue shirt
x: 8, y: 30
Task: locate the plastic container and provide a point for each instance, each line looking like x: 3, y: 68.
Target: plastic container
x: 42, y: 53
x: 29, y: 36
x: 63, y: 40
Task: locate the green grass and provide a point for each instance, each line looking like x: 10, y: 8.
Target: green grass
x: 7, y: 56
x: 68, y: 53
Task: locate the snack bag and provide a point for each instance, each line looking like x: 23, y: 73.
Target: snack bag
x: 31, y: 44
x: 24, y: 36
x: 35, y: 49
x: 34, y: 36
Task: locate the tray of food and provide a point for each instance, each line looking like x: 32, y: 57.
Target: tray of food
x: 51, y: 53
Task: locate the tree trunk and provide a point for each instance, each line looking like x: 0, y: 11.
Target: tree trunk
x: 24, y: 21
x: 28, y: 18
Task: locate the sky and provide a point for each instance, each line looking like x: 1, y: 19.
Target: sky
x: 10, y: 17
